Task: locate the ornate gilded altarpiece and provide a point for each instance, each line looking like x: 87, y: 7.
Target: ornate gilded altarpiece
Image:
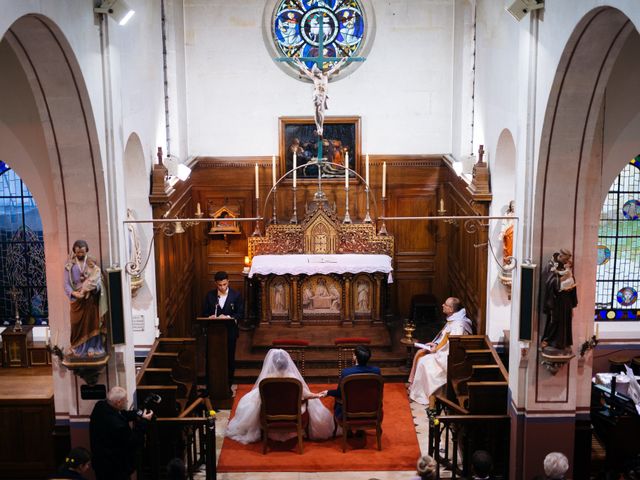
x: 336, y: 299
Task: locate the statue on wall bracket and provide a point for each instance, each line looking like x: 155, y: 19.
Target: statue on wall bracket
x: 560, y: 298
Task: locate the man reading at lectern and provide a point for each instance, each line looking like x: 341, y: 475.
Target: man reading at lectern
x: 225, y: 302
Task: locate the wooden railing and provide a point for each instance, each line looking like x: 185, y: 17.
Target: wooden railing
x: 472, y: 413
x: 190, y: 437
x: 454, y: 438
x: 184, y: 426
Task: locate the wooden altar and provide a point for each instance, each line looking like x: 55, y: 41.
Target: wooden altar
x: 321, y: 271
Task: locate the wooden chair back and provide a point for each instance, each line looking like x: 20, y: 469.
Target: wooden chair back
x: 281, y: 408
x: 362, y: 404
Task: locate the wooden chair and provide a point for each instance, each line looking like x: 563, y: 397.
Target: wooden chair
x: 281, y: 409
x: 361, y: 405
x: 295, y: 348
x: 345, y: 347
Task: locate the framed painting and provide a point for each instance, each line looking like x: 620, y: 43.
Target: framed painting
x: 341, y: 141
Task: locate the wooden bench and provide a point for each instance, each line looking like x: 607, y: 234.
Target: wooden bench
x: 477, y: 382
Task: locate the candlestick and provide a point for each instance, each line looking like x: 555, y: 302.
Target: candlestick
x: 384, y: 179
x: 597, y: 329
x: 383, y: 227
x: 46, y: 335
x: 346, y: 170
x: 347, y: 217
x: 295, y: 165
x: 441, y: 211
x: 257, y: 182
x: 273, y: 170
x: 366, y: 171
x: 198, y: 211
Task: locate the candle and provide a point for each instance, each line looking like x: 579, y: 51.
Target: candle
x: 366, y: 171
x: 597, y: 329
x: 198, y: 211
x: 384, y: 179
x: 46, y: 335
x: 257, y: 182
x: 346, y: 170
x: 273, y: 170
x: 247, y: 261
x: 295, y: 172
x: 441, y: 205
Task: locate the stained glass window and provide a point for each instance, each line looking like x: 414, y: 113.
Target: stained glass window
x: 618, y: 273
x: 296, y: 27
x: 22, y: 265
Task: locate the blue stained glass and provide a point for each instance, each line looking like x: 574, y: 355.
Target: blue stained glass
x: 631, y: 209
x: 22, y: 261
x: 604, y: 254
x: 297, y: 23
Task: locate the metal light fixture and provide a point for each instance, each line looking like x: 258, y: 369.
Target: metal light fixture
x: 118, y: 9
x: 519, y: 8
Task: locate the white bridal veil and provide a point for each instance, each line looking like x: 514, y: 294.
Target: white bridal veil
x: 244, y: 427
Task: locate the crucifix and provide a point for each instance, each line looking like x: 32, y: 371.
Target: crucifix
x: 319, y: 74
x: 14, y: 296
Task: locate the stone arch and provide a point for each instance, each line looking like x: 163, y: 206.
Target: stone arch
x: 48, y: 135
x: 571, y: 180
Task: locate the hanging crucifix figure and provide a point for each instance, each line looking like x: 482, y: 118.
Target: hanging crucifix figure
x: 320, y: 81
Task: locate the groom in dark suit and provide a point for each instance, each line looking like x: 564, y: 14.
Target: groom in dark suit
x: 361, y: 355
x: 226, y: 302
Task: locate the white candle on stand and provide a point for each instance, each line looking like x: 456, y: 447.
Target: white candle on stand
x: 295, y: 165
x: 346, y: 170
x: 257, y: 182
x: 441, y: 205
x: 366, y: 171
x: 384, y: 179
x: 273, y: 170
x: 198, y: 211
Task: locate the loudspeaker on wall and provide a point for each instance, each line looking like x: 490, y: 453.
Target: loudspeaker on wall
x: 116, y: 310
x: 527, y: 273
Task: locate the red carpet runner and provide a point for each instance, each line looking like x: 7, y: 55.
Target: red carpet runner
x: 400, y: 449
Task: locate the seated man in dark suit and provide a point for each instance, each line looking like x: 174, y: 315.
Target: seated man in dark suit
x: 361, y: 354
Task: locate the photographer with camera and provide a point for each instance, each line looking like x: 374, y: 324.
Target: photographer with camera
x: 114, y: 443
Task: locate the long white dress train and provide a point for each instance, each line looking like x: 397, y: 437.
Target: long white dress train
x: 244, y: 427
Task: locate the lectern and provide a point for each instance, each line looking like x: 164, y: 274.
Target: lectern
x: 216, y: 332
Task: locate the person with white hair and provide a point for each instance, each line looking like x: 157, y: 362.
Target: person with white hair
x: 113, y: 442
x: 426, y: 468
x: 556, y: 466
x: 244, y: 427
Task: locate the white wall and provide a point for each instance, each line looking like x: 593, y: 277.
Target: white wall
x: 235, y: 92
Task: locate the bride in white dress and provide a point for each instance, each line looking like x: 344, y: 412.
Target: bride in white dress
x: 244, y: 427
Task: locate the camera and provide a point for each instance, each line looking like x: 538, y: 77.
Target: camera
x: 151, y: 401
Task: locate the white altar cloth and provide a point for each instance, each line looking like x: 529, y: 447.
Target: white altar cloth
x: 320, y: 264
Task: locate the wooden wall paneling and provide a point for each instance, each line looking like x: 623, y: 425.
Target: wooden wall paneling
x: 26, y: 438
x: 174, y: 265
x: 468, y: 263
x: 415, y: 242
x: 432, y: 259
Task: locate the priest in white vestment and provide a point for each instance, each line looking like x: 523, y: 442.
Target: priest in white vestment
x: 429, y: 370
